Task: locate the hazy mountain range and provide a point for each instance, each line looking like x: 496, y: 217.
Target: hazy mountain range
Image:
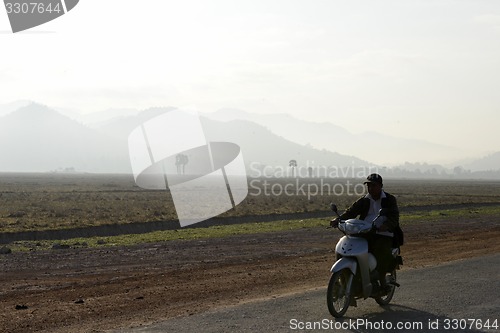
x: 38, y: 138
x: 391, y: 150
x: 11, y: 107
x: 258, y: 144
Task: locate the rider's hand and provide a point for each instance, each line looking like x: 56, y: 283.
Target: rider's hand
x: 335, y: 222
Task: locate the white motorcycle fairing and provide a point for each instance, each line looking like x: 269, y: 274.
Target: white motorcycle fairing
x: 345, y: 262
x: 352, y: 252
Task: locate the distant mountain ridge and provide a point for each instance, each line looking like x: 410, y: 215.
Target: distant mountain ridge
x: 36, y: 138
x: 13, y: 106
x: 378, y: 148
x: 258, y: 144
x: 487, y: 163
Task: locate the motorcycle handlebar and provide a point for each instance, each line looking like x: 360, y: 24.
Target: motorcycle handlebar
x: 373, y: 227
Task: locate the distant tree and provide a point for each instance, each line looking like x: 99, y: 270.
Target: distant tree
x: 458, y: 170
x: 180, y: 162
x: 293, y: 164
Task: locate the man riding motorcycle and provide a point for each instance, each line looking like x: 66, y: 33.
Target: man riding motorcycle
x: 387, y: 226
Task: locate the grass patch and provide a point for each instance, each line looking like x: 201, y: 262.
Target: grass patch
x: 436, y: 215
x: 178, y: 234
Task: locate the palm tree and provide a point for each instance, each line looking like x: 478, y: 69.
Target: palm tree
x: 292, y: 164
x: 180, y: 162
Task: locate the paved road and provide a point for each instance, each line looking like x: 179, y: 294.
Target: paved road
x: 429, y: 300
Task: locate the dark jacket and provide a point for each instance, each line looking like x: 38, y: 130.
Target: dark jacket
x: 362, y: 205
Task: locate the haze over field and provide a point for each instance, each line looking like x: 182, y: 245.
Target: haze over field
x: 36, y: 138
x: 386, y: 82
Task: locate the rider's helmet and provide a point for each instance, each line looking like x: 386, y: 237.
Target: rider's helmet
x: 374, y: 178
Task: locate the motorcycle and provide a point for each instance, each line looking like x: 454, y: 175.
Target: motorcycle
x: 354, y: 274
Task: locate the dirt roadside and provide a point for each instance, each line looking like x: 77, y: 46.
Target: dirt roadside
x: 92, y: 290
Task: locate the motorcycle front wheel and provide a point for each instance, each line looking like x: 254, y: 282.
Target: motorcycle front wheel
x: 386, y: 299
x: 338, y: 295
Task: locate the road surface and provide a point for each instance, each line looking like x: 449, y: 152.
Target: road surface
x: 462, y: 296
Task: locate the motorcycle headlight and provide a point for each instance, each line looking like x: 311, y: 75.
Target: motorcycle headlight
x: 355, y: 229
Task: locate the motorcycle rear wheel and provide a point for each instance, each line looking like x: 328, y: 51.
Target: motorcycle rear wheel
x: 386, y: 299
x: 338, y: 297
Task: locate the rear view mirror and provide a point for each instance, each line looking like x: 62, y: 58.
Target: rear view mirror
x: 334, y: 207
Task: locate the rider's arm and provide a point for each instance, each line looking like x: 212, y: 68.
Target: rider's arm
x: 350, y: 213
x: 392, y: 221
x: 355, y: 210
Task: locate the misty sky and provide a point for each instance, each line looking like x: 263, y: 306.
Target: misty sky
x: 415, y: 69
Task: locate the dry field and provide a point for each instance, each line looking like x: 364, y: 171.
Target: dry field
x: 56, y: 201
x: 96, y: 289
